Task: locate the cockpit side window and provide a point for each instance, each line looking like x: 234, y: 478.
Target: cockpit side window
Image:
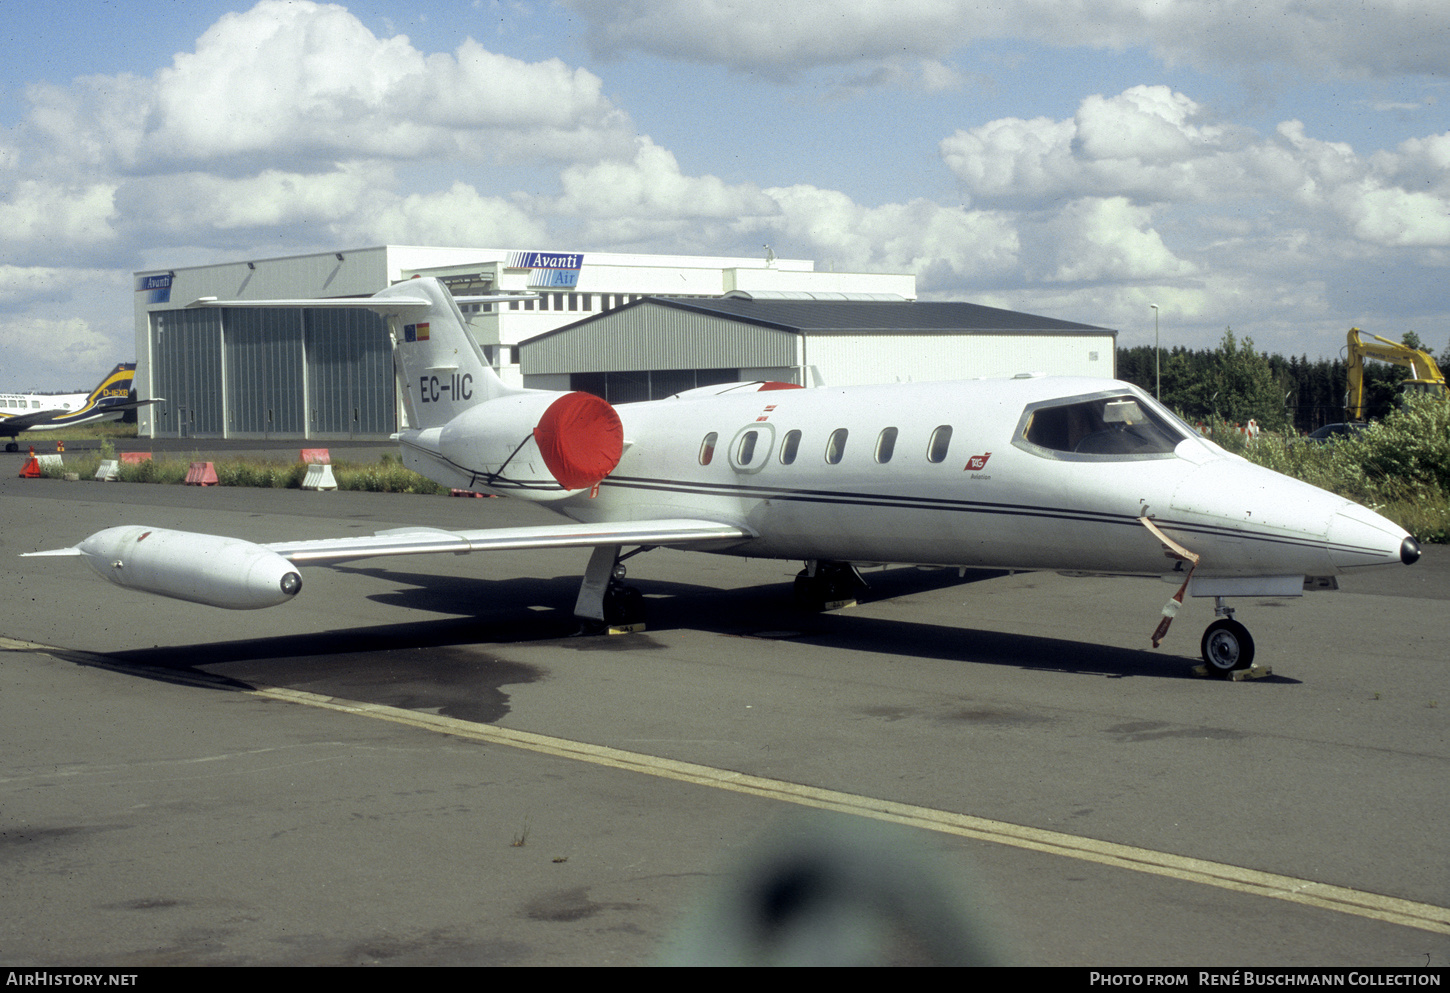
x: 1100, y: 428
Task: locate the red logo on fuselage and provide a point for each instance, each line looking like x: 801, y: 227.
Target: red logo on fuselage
x: 977, y: 462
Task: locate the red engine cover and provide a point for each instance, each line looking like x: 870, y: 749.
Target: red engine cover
x: 581, y: 439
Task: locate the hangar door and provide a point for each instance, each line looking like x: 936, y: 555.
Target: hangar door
x: 349, y: 374
x: 272, y: 372
x: 186, y: 369
x: 263, y: 372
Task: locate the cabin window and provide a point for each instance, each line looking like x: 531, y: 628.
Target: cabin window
x: 885, y: 445
x: 941, y: 440
x: 707, y: 448
x: 789, y: 446
x: 836, y: 446
x: 745, y: 454
x: 1121, y: 426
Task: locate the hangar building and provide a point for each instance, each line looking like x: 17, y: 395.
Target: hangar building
x: 327, y: 374
x: 663, y: 345
x: 628, y: 326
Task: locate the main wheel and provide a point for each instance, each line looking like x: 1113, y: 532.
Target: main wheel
x: 623, y: 605
x: 1227, y: 646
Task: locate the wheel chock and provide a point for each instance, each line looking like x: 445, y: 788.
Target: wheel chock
x: 634, y: 628
x: 1255, y: 671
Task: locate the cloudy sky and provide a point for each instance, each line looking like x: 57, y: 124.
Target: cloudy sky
x: 1278, y: 166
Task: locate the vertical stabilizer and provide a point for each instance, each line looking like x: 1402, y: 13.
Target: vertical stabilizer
x: 442, y: 371
x: 115, y: 388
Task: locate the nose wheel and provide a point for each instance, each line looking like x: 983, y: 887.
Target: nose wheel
x: 1227, y: 645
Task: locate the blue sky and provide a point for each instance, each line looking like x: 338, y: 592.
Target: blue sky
x: 1274, y: 166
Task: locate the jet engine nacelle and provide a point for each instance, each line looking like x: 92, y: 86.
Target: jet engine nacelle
x: 531, y: 444
x: 202, y: 568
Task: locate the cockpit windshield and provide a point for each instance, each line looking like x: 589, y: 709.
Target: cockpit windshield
x: 1103, y: 427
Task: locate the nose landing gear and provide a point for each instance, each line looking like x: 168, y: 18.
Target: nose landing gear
x: 1227, y: 646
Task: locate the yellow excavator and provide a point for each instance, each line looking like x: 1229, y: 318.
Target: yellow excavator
x: 1425, y: 375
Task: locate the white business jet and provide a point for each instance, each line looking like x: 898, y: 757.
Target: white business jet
x: 1088, y: 476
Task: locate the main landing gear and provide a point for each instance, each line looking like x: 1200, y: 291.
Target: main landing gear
x: 606, y: 604
x: 827, y: 586
x: 1227, y: 645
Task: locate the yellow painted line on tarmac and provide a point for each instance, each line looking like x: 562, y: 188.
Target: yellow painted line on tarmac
x: 1407, y: 913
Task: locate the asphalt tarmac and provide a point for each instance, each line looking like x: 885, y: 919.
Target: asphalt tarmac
x: 416, y: 762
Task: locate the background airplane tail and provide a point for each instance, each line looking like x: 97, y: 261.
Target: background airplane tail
x: 115, y: 388
x: 440, y: 367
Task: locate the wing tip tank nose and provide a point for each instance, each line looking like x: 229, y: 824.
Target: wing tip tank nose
x: 1409, y: 551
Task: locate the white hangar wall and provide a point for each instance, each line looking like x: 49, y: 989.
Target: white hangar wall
x: 853, y: 359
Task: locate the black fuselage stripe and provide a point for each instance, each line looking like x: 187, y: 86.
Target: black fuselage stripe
x: 858, y: 499
x: 843, y: 498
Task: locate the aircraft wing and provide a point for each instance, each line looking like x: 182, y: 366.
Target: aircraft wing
x: 240, y: 575
x: 423, y: 541
x: 24, y: 422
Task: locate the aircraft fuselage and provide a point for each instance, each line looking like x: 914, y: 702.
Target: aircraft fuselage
x: 944, y: 474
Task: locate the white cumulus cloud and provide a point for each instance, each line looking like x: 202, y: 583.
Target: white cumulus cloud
x: 1322, y: 39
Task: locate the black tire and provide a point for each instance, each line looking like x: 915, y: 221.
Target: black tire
x: 623, y: 605
x: 1227, y: 647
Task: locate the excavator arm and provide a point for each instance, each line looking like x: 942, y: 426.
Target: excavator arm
x: 1425, y: 375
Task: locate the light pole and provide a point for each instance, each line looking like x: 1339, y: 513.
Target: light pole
x: 1157, y: 368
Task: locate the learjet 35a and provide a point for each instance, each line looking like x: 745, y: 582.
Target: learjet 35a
x: 1078, y: 475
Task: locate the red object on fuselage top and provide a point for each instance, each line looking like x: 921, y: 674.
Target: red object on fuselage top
x: 581, y: 439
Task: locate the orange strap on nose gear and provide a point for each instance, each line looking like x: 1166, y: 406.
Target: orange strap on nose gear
x: 1174, y: 551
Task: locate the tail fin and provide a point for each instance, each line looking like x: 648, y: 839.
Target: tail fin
x: 115, y: 388
x: 441, y: 369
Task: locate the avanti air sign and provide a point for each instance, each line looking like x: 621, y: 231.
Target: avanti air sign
x: 548, y: 270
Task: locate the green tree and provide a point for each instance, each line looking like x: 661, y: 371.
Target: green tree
x: 1243, y: 385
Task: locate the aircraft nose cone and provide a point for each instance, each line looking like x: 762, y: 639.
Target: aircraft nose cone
x: 1359, y: 537
x: 1409, y: 551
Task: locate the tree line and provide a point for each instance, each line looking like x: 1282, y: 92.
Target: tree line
x: 1238, y: 383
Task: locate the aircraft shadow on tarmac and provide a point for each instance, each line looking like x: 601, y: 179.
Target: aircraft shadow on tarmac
x: 767, y: 611
x: 451, y: 665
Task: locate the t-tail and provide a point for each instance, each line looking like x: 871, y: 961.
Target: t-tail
x: 470, y: 430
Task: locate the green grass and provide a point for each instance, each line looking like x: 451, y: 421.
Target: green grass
x: 386, y: 476
x: 45, y: 441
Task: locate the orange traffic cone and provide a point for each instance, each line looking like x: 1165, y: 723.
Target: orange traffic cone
x: 31, y: 469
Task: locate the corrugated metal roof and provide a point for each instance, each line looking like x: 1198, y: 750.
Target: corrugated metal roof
x: 855, y: 316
